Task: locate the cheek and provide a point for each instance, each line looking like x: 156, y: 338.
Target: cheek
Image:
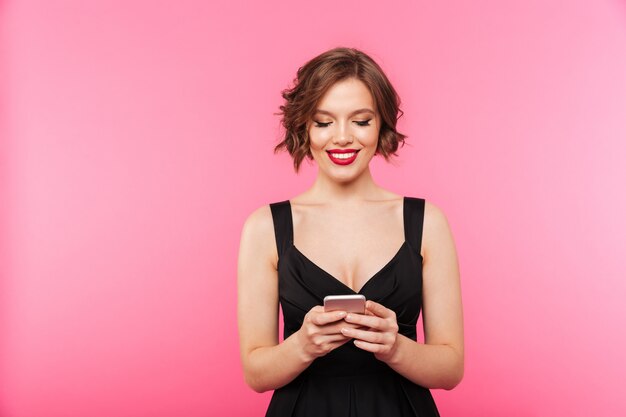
x: 369, y: 137
x: 318, y: 138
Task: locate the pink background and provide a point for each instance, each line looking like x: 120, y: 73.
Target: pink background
x: 136, y: 137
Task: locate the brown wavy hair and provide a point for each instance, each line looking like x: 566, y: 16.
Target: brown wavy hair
x: 311, y: 83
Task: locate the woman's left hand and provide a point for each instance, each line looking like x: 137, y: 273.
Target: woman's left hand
x: 380, y: 332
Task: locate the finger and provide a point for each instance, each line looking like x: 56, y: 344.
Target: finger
x: 379, y: 309
x: 370, y: 347
x: 366, y: 321
x: 365, y: 335
x: 329, y: 317
x: 335, y: 328
x: 331, y: 338
x: 335, y: 345
x: 351, y: 325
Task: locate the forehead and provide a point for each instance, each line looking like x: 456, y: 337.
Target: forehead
x: 346, y: 96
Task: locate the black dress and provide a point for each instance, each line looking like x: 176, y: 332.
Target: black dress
x: 350, y: 381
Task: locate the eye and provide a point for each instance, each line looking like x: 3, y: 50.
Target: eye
x: 320, y: 124
x: 364, y: 122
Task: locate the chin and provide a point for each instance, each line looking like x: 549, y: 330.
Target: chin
x: 348, y: 177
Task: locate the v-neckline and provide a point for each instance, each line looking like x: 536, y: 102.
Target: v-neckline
x: 340, y: 282
x: 376, y: 274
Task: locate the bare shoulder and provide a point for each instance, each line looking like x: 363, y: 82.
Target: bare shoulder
x: 259, y: 220
x: 257, y: 233
x: 433, y: 215
x: 436, y: 228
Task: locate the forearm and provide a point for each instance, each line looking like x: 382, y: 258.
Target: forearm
x: 430, y: 366
x: 271, y: 367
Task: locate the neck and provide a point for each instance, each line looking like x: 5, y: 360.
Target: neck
x: 352, y: 192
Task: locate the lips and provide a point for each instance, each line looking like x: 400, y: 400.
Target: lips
x: 343, y: 156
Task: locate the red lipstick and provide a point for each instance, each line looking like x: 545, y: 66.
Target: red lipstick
x: 339, y: 160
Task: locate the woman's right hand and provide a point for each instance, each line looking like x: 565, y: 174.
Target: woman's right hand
x: 320, y: 332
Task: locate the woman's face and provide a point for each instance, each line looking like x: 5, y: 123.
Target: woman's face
x: 344, y: 131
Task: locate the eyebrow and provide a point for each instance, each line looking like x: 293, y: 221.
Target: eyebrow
x: 364, y: 110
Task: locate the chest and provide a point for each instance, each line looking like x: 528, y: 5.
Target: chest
x: 352, y: 249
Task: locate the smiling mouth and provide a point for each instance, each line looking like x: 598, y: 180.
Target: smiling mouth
x: 343, y: 158
x: 342, y: 155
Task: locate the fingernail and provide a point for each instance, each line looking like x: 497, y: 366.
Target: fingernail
x: 341, y: 314
x: 349, y: 317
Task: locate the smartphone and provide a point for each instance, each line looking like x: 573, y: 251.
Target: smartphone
x: 350, y: 303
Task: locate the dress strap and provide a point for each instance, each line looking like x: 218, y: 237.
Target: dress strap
x: 414, y: 221
x: 283, y: 225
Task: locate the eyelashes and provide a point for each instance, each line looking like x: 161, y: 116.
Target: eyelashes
x: 360, y: 123
x: 320, y: 124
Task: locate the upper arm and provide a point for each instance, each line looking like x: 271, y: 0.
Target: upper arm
x: 442, y: 307
x: 257, y: 284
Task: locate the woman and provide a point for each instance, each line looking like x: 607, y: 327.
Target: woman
x: 347, y: 235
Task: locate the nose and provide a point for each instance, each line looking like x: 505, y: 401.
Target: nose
x: 343, y: 136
